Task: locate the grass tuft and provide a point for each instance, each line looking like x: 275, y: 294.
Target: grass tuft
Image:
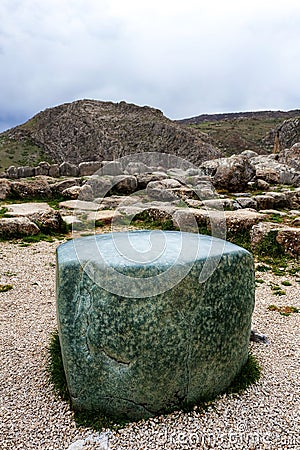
x: 5, y: 287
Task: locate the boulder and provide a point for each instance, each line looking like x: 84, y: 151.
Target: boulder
x: 86, y: 193
x: 103, y: 217
x: 5, y: 189
x: 67, y: 169
x: 60, y: 186
x: 111, y: 168
x: 30, y: 189
x: 261, y: 230
x: 291, y: 156
x: 162, y: 190
x: 45, y: 217
x: 296, y: 222
x: 17, y: 227
x: 267, y: 168
x: 287, y: 237
x: 26, y: 172
x: 189, y: 219
x: 79, y: 205
x: 72, y: 192
x: 262, y: 184
x: 204, y: 190
x: 134, y: 168
x: 242, y: 219
x: 265, y: 201
x: 117, y: 201
x: 222, y: 203
x: 124, y: 184
x: 231, y: 173
x: 100, y: 185
x: 89, y: 168
x: 247, y: 202
x: 54, y: 170
x: 144, y: 179
x: 249, y: 154
x: 42, y: 169
x: 134, y: 350
x: 12, y: 172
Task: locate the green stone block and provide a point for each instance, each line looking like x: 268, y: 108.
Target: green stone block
x: 151, y: 320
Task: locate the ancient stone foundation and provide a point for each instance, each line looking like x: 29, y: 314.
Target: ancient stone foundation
x: 151, y: 321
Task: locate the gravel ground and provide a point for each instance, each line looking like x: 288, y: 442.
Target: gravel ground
x: 266, y: 416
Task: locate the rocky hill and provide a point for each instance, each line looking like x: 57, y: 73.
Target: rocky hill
x: 90, y: 130
x: 233, y: 133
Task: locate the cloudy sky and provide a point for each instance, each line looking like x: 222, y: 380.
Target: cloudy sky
x: 184, y: 57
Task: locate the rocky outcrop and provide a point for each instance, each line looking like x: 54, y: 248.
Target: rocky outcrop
x: 287, y: 134
x: 269, y: 169
x: 291, y: 156
x: 90, y: 130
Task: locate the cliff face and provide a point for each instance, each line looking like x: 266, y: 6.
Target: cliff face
x: 286, y: 134
x: 88, y: 130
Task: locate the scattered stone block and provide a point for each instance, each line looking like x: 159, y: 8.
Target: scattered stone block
x: 79, y: 205
x: 89, y: 168
x: 26, y: 172
x: 12, y: 172
x: 45, y: 217
x: 35, y: 188
x: 54, y: 170
x: 68, y: 170
x: 5, y: 189
x: 17, y: 227
x: 60, y: 186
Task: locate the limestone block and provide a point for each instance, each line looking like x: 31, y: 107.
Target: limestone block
x: 151, y: 320
x: 26, y: 171
x: 67, y: 169
x: 89, y: 168
x: 54, y: 171
x: 12, y: 172
x: 5, y: 189
x: 17, y: 226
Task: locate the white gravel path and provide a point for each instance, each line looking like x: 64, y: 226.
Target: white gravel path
x: 266, y: 416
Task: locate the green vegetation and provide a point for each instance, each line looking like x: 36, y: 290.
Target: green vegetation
x: 277, y: 290
x: 283, y: 310
x: 249, y: 374
x: 3, y: 211
x: 5, y: 287
x: 19, y: 153
x: 286, y: 283
x: 145, y: 221
x: 235, y: 135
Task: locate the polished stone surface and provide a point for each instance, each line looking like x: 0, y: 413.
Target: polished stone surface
x: 151, y: 320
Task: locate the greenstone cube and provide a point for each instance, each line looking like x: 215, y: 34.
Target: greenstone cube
x: 150, y: 321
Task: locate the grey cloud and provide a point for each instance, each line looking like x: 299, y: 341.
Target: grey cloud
x: 184, y: 58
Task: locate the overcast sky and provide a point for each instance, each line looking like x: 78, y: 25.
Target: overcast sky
x: 184, y: 57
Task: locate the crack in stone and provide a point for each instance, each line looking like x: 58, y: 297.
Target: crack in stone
x: 118, y: 360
